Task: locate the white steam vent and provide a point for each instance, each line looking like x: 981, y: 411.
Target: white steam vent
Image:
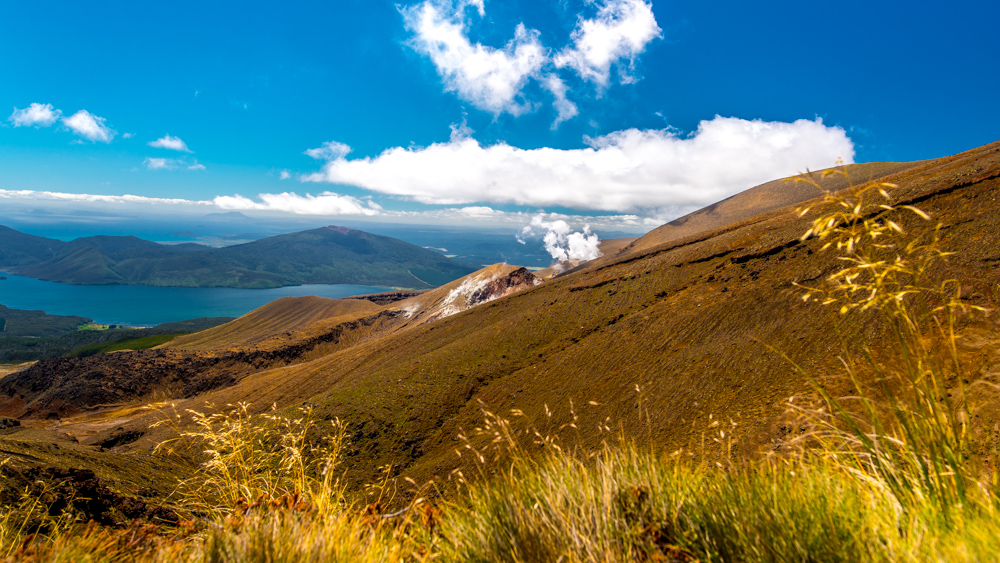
x: 560, y: 240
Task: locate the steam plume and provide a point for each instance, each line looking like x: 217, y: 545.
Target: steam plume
x: 560, y: 240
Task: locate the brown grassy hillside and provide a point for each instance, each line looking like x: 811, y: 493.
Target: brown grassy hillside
x: 657, y: 342
x: 277, y: 317
x: 688, y: 322
x: 759, y: 200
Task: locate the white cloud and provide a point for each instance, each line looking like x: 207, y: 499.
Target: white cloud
x: 560, y: 240
x: 159, y: 163
x: 649, y: 171
x: 330, y: 150
x: 494, y: 79
x: 621, y: 30
x: 39, y: 115
x: 156, y: 163
x: 94, y: 198
x: 484, y: 215
x: 478, y: 211
x: 172, y: 143
x: 285, y: 174
x: 280, y: 203
x: 326, y: 203
x: 565, y: 109
x: 89, y: 126
x: 489, y: 78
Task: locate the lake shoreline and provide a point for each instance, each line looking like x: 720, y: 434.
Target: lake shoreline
x: 147, y: 305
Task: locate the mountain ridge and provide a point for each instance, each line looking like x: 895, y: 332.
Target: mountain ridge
x: 327, y: 255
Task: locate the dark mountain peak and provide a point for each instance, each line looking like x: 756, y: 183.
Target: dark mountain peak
x: 337, y: 229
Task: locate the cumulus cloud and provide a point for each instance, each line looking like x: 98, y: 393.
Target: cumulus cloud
x: 284, y: 175
x: 560, y: 241
x: 494, y: 79
x: 330, y: 150
x: 172, y: 143
x: 326, y: 203
x: 621, y: 30
x: 89, y: 126
x: 38, y: 115
x: 626, y: 171
x: 196, y: 166
x: 489, y: 78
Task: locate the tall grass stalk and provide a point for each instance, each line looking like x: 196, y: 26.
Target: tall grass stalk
x: 251, y: 459
x: 901, y: 428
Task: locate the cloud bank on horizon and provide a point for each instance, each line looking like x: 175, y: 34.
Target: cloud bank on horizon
x: 325, y: 204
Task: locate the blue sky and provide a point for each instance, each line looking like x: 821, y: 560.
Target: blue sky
x: 619, y: 113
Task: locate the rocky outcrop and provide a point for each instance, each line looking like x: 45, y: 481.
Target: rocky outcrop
x: 387, y: 297
x: 482, y: 287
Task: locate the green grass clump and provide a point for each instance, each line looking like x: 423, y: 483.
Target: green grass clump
x: 623, y: 505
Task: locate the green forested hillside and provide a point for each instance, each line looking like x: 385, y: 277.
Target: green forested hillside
x: 17, y: 322
x: 328, y: 255
x: 34, y: 335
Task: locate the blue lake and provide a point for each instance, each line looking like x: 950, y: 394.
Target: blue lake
x: 140, y: 305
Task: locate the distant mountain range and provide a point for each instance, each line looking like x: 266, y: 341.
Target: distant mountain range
x: 328, y: 255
